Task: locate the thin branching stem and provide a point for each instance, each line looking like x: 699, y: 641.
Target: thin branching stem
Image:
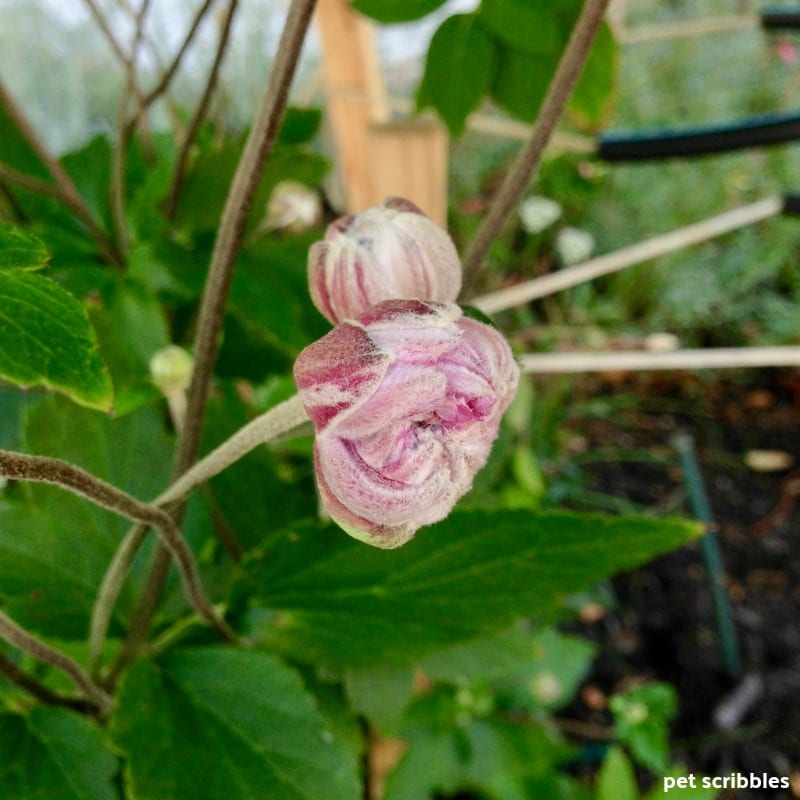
x: 17, y: 636
x: 41, y: 692
x: 166, y: 78
x: 268, y: 426
x: 21, y: 466
x: 521, y: 172
x: 105, y: 28
x: 173, y: 198
x: 69, y: 194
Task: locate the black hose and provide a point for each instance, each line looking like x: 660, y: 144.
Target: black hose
x: 780, y: 18
x: 667, y: 143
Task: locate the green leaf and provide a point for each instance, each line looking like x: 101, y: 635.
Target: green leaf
x: 460, y: 47
x: 334, y: 600
x: 46, y: 340
x: 19, y: 250
x: 557, y: 664
x: 389, y: 11
x: 616, y: 780
x: 642, y: 716
x: 521, y: 80
x: 54, y: 754
x: 300, y: 125
x: 380, y: 694
x: 522, y: 25
x: 591, y: 100
x: 692, y: 786
x: 222, y: 724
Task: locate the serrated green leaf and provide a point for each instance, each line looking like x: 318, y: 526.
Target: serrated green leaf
x: 389, y: 11
x: 222, y: 724
x: 521, y: 80
x: 593, y: 95
x: 522, y: 25
x: 381, y: 694
x: 333, y: 600
x: 55, y: 754
x: 20, y: 250
x: 459, y: 47
x: 46, y: 340
x: 616, y: 780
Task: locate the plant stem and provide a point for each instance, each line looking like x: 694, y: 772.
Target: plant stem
x: 194, y: 126
x: 20, y: 466
x: 169, y: 73
x: 269, y: 425
x: 520, y: 174
x: 16, y: 635
x: 234, y: 218
x: 69, y: 194
x: 40, y: 691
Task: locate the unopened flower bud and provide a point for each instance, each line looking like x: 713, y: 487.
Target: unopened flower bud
x: 293, y: 207
x: 171, y: 369
x: 392, y: 251
x: 406, y: 401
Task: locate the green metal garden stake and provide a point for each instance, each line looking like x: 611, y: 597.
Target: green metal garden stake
x: 698, y: 498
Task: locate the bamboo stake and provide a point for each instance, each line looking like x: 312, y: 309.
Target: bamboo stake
x: 646, y: 360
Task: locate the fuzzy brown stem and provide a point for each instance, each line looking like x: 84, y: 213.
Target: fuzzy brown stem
x: 17, y: 636
x: 521, y: 172
x: 41, y: 692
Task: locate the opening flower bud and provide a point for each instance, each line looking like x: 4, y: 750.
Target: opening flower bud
x: 407, y: 401
x: 171, y: 369
x: 392, y: 251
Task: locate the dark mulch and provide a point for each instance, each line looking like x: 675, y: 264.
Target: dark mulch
x: 664, y: 627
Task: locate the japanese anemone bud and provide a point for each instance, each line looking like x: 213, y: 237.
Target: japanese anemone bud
x: 392, y: 251
x: 406, y: 401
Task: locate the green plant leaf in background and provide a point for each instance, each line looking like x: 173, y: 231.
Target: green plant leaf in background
x: 522, y: 25
x: 55, y: 754
x: 520, y: 81
x: 642, y: 716
x: 616, y: 780
x: 321, y: 596
x: 458, y: 70
x: 222, y: 724
x: 19, y: 250
x: 389, y: 11
x: 46, y: 340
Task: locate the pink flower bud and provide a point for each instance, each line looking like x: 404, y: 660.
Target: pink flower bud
x: 407, y: 401
x: 392, y: 251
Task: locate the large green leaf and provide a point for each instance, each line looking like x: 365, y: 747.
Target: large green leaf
x: 458, y: 70
x: 54, y: 754
x: 325, y: 597
x: 521, y: 80
x: 19, y: 250
x: 46, y: 340
x: 522, y: 25
x: 388, y: 11
x: 222, y: 724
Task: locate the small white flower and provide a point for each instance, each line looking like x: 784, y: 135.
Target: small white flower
x: 574, y: 245
x: 538, y: 213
